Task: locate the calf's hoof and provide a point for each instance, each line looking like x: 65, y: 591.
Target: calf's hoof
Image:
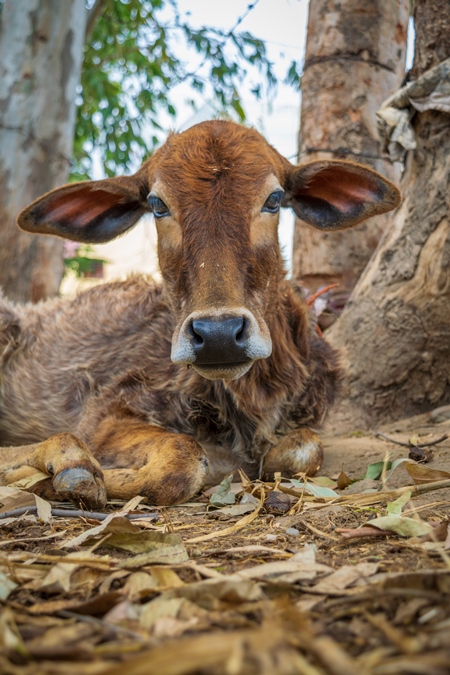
x: 301, y: 451
x: 76, y: 474
x: 80, y: 486
x: 176, y: 472
x: 179, y: 483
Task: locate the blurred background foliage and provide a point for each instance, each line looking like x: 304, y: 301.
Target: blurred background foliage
x: 132, y: 61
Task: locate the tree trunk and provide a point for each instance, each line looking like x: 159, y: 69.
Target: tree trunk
x: 355, y: 58
x: 41, y: 48
x: 398, y: 321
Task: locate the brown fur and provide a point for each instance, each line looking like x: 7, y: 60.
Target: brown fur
x: 99, y: 366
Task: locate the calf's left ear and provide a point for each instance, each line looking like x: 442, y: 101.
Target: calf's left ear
x: 335, y: 195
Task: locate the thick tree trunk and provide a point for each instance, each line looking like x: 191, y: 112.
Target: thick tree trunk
x: 355, y: 58
x: 41, y: 48
x: 397, y: 324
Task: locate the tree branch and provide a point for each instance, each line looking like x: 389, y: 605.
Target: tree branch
x: 94, y: 13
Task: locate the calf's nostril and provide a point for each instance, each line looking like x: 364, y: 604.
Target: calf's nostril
x: 196, y: 333
x: 240, y: 337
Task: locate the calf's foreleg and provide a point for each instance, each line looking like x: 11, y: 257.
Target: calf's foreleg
x: 139, y: 458
x: 127, y: 458
x: 75, y: 474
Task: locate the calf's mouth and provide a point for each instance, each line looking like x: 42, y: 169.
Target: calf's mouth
x: 223, y: 371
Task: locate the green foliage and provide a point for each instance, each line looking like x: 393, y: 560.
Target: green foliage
x: 82, y: 263
x: 293, y: 76
x: 131, y: 62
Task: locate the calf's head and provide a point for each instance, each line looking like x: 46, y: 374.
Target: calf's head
x: 216, y: 192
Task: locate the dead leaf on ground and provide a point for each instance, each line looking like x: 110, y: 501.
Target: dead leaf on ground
x: 6, y: 586
x: 235, y: 510
x: 424, y: 474
x: 15, y: 498
x: 157, y: 548
x: 229, y: 603
x: 405, y: 527
x: 345, y: 576
x: 228, y: 588
x: 100, y: 529
x: 286, y: 571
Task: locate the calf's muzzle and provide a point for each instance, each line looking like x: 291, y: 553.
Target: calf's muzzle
x: 221, y: 344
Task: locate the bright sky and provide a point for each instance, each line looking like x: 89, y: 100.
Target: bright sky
x: 282, y: 25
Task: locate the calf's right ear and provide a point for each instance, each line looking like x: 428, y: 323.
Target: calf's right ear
x: 92, y: 212
x: 335, y: 195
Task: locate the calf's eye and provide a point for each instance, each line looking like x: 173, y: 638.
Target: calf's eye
x: 273, y: 202
x: 158, y: 207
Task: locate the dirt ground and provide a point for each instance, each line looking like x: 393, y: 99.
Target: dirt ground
x: 272, y: 578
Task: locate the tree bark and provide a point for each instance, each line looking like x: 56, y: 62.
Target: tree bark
x: 397, y: 321
x: 41, y: 48
x: 355, y: 57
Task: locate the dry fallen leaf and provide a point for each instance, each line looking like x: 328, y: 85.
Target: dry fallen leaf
x: 139, y: 584
x: 11, y: 641
x: 100, y: 529
x: 25, y: 483
x: 158, y: 546
x: 165, y: 577
x: 285, y: 571
x: 315, y: 490
x: 344, y: 577
x: 15, y: 498
x: 158, y: 608
x: 97, y: 606
x: 6, y: 586
x: 246, y: 520
x: 423, y: 474
x: 306, y: 555
x: 277, y: 502
x: 235, y: 510
x: 230, y: 588
x: 396, y: 507
x: 343, y: 481
x: 405, y: 527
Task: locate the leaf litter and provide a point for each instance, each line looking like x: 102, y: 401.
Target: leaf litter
x: 347, y: 573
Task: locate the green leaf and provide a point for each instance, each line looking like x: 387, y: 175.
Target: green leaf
x: 223, y: 496
x: 323, y: 481
x: 406, y: 527
x: 375, y: 470
x: 315, y: 490
x: 397, y: 463
x: 395, y: 508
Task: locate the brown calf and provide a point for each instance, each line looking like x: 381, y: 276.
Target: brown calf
x: 135, y: 388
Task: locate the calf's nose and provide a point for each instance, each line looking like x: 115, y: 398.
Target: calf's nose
x: 220, y: 340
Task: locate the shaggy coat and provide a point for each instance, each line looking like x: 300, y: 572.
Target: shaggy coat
x: 171, y: 387
x: 67, y: 364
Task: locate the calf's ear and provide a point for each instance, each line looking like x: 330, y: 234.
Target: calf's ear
x: 91, y: 212
x: 335, y: 195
